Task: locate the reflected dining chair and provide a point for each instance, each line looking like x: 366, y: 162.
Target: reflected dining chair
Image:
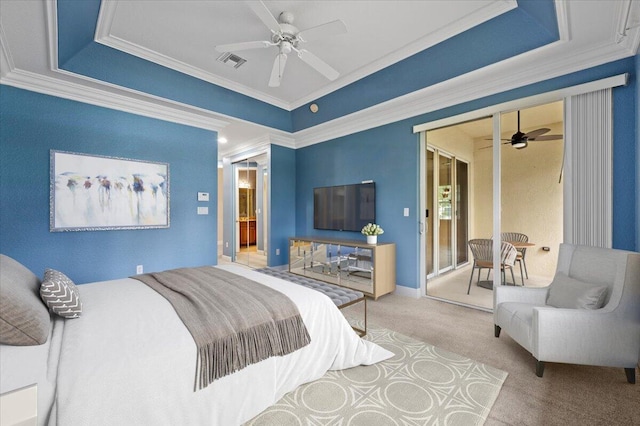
x: 482, y: 250
x: 522, y: 251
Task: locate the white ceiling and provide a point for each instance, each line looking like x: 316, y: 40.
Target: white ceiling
x: 183, y: 34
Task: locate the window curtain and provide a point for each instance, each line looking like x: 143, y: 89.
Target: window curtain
x: 588, y: 167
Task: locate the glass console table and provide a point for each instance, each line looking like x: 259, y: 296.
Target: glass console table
x: 355, y: 264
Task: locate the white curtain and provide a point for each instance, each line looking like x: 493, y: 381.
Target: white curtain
x: 588, y: 167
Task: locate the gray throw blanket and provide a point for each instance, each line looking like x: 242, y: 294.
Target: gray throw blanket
x: 234, y: 321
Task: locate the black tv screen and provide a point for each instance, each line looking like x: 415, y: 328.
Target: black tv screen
x: 344, y: 207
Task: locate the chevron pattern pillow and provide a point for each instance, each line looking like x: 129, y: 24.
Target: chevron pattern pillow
x: 60, y: 294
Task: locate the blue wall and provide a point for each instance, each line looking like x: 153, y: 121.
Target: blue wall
x: 32, y: 124
x: 389, y: 155
x: 282, y: 191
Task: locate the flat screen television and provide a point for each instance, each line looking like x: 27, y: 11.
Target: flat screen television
x: 344, y: 207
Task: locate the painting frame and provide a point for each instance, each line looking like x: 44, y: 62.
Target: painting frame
x: 90, y: 192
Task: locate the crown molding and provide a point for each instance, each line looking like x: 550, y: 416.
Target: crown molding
x: 6, y: 60
x: 51, y: 22
x: 143, y: 105
x: 630, y: 40
x: 477, y: 84
x: 562, y: 16
x: 258, y: 143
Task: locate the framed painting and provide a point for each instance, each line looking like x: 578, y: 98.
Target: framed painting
x: 91, y: 192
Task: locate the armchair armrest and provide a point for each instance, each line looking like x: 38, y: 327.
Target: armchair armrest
x: 532, y: 295
x: 583, y: 336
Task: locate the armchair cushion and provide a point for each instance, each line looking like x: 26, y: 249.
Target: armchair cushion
x: 567, y: 292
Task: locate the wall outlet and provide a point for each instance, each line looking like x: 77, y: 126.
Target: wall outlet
x: 406, y: 212
x: 277, y: 252
x: 139, y: 269
x: 203, y: 210
x: 226, y: 244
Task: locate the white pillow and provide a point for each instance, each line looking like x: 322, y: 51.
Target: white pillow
x: 567, y: 292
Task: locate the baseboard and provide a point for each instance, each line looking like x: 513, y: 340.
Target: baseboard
x: 407, y: 291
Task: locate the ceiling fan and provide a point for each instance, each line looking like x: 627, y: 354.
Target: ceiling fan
x: 288, y: 39
x: 521, y: 140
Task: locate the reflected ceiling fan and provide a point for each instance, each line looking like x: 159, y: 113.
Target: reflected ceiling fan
x: 288, y: 39
x: 521, y: 140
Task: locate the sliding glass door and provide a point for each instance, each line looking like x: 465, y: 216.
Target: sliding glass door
x: 483, y: 180
x: 446, y: 213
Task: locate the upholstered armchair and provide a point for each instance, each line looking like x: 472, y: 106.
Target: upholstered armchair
x: 589, y: 314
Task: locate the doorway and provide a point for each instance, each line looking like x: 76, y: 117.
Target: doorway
x: 250, y: 211
x: 460, y: 166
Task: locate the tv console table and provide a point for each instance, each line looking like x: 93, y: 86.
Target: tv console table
x: 369, y: 268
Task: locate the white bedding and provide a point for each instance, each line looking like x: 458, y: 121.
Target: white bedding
x: 130, y: 360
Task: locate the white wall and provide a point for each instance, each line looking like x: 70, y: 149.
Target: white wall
x: 220, y: 210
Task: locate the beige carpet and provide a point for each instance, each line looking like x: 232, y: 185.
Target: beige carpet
x: 420, y: 385
x: 566, y: 395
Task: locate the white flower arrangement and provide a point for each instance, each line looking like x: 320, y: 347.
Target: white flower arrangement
x: 372, y: 229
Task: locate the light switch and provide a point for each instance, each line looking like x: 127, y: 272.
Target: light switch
x: 203, y: 196
x: 406, y: 211
x: 203, y: 210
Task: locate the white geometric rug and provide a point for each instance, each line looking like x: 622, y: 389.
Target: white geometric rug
x: 420, y: 385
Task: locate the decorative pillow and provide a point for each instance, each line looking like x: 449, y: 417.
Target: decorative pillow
x: 60, y: 294
x: 567, y: 292
x: 24, y: 319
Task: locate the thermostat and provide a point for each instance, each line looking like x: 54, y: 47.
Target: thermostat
x: 203, y: 196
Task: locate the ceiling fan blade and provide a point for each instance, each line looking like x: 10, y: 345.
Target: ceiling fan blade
x: 278, y: 70
x: 324, y: 30
x: 318, y: 64
x: 260, y: 9
x: 547, y: 138
x: 532, y: 134
x: 491, y: 146
x: 234, y: 47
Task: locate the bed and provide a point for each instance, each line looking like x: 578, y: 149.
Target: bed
x: 129, y: 359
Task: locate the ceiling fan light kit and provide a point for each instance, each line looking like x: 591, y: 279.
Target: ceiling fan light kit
x: 287, y: 37
x: 521, y: 140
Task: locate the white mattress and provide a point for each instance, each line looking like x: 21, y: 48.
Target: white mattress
x: 130, y: 360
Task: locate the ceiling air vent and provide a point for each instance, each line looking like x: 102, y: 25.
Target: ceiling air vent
x: 231, y: 60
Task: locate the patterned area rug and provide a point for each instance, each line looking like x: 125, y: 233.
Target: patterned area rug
x: 420, y: 385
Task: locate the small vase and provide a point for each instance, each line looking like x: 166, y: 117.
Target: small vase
x: 372, y: 239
